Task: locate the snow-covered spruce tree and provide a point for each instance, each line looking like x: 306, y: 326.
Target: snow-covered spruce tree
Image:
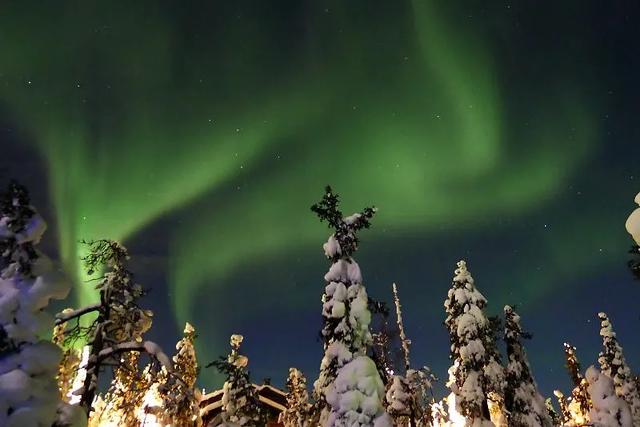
x: 633, y: 227
x: 470, y: 333
x: 240, y: 404
x: 524, y: 404
x: 29, y: 394
x: 410, y: 398
x: 613, y: 364
x: 349, y: 390
x: 120, y: 322
x: 296, y: 413
x: 609, y: 410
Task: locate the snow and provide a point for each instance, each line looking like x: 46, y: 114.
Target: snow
x: 345, y: 271
x: 349, y: 220
x: 155, y: 350
x: 398, y: 395
x: 349, y: 386
x: 608, y: 410
x: 71, y: 416
x: 332, y: 247
x: 355, y: 396
x: 613, y: 364
x: 633, y: 222
x: 28, y: 391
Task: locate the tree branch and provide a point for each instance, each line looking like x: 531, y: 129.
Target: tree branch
x: 142, y: 347
x: 65, y: 317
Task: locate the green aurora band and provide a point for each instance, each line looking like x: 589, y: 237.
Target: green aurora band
x: 137, y: 121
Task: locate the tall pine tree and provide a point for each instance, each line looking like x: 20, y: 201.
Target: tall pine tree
x: 575, y: 409
x: 296, y: 413
x: 349, y: 389
x: 470, y: 333
x: 524, y: 404
x: 29, y: 394
x: 613, y: 364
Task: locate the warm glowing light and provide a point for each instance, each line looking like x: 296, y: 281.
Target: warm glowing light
x: 455, y: 418
x: 151, y: 405
x: 74, y: 394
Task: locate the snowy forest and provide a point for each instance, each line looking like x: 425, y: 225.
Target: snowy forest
x: 92, y: 366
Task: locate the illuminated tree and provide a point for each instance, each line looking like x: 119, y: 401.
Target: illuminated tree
x: 179, y: 394
x: 29, y: 394
x: 126, y: 393
x: 298, y: 407
x: 348, y: 377
x: 69, y: 364
x: 613, y: 364
x: 565, y: 413
x: 524, y: 404
x: 470, y: 333
x: 576, y: 409
x: 556, y: 419
x: 118, y: 323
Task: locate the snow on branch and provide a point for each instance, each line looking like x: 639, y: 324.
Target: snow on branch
x: 149, y: 347
x: 344, y: 241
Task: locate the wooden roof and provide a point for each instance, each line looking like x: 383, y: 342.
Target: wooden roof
x: 273, y: 400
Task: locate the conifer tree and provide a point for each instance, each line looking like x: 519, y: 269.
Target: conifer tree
x: 240, y: 404
x: 524, y: 404
x: 470, y: 334
x: 579, y: 404
x: 119, y: 325
x: 345, y: 331
x: 298, y: 407
x: 608, y: 409
x: 409, y: 397
x: 495, y: 375
x: 399, y: 401
x: 126, y: 393
x: 613, y: 364
x: 179, y: 394
x: 29, y: 394
x: 565, y: 413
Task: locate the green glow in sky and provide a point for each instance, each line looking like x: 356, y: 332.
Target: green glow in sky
x: 239, y: 128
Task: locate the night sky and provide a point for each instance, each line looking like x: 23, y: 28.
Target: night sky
x: 199, y: 133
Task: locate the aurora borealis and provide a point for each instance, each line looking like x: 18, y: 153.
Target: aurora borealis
x: 200, y: 134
